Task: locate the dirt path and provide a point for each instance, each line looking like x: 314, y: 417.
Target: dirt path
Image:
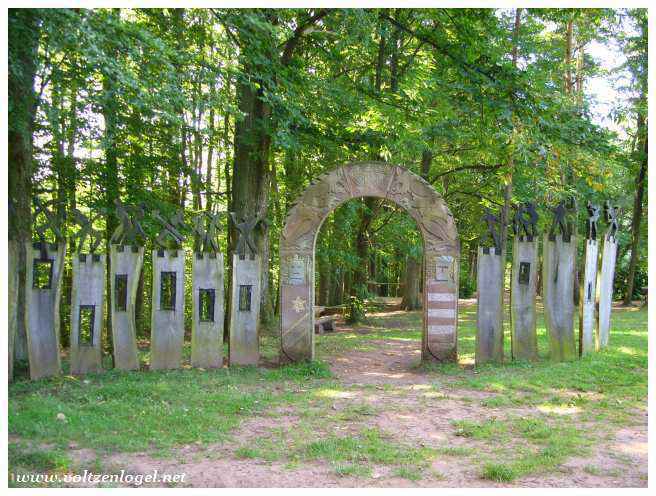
x: 403, y: 402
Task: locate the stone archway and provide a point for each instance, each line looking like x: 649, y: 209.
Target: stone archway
x: 441, y: 253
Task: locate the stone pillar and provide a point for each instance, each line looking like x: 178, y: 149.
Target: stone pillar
x: 558, y: 293
x: 489, y: 316
x: 587, y: 308
x: 524, y: 344
x: 245, y: 311
x: 12, y: 301
x: 126, y: 262
x: 296, y: 306
x: 87, y: 306
x: 42, y: 295
x: 606, y: 289
x: 208, y: 311
x: 440, y: 307
x: 167, y: 322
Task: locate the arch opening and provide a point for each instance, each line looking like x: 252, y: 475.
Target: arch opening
x: 363, y: 249
x: 441, y: 253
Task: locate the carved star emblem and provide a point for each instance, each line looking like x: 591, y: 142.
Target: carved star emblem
x: 299, y: 304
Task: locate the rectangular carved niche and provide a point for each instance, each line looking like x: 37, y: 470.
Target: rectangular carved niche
x: 42, y: 274
x: 121, y: 292
x: 524, y: 272
x: 86, y: 325
x: 167, y: 291
x: 245, y: 298
x: 206, y: 305
x: 444, y: 268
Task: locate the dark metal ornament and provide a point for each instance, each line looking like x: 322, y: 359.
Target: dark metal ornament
x: 86, y: 230
x: 525, y: 221
x: 611, y: 213
x: 51, y: 223
x: 562, y: 213
x: 245, y: 229
x: 171, y: 230
x: 130, y: 218
x: 206, y: 226
x: 594, y: 211
x: 493, y: 228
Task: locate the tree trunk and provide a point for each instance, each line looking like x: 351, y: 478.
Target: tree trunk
x: 23, y: 42
x: 110, y: 175
x: 637, y: 211
x: 411, y: 300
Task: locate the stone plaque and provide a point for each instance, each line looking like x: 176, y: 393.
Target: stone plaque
x: 296, y: 275
x: 444, y: 269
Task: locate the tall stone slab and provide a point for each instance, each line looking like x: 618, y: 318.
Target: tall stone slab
x: 559, y: 258
x: 125, y: 266
x: 12, y: 301
x: 167, y: 316
x: 441, y: 253
x: 208, y: 311
x: 524, y: 284
x: 588, y: 297
x: 245, y: 311
x: 489, y: 315
x: 606, y: 278
x: 439, y: 341
x: 87, y: 307
x: 42, y: 295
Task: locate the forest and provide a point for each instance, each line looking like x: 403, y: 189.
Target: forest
x: 228, y: 110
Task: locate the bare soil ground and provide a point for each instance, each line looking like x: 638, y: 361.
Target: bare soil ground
x: 402, y: 399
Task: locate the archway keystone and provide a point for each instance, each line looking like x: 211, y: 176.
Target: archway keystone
x: 441, y: 253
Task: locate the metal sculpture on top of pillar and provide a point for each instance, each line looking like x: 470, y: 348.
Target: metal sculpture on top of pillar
x: 44, y: 270
x: 167, y: 324
x: 246, y: 294
x: 558, y: 269
x: 87, y: 297
x: 207, y: 296
x: 524, y: 283
x: 489, y: 318
x: 588, y: 289
x: 126, y: 254
x: 608, y: 258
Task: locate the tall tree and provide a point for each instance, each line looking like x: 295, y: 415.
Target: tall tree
x: 24, y: 28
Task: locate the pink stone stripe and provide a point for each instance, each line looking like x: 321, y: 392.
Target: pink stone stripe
x: 440, y: 287
x: 440, y: 321
x: 440, y: 304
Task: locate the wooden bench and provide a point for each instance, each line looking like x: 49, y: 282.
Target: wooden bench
x: 323, y: 323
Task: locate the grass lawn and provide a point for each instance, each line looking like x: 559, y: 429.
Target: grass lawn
x: 497, y: 424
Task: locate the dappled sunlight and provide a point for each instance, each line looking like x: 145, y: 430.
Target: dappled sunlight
x: 559, y: 409
x: 633, y: 448
x: 336, y: 393
x: 628, y: 351
x: 418, y: 387
x: 434, y: 394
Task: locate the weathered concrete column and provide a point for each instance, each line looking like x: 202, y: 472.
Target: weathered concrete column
x: 245, y: 311
x: 12, y: 302
x: 87, y: 307
x: 588, y: 297
x: 558, y: 283
x: 126, y: 262
x: 489, y: 315
x: 208, y: 310
x: 440, y: 307
x: 167, y: 323
x: 524, y: 344
x: 606, y: 279
x: 42, y: 295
